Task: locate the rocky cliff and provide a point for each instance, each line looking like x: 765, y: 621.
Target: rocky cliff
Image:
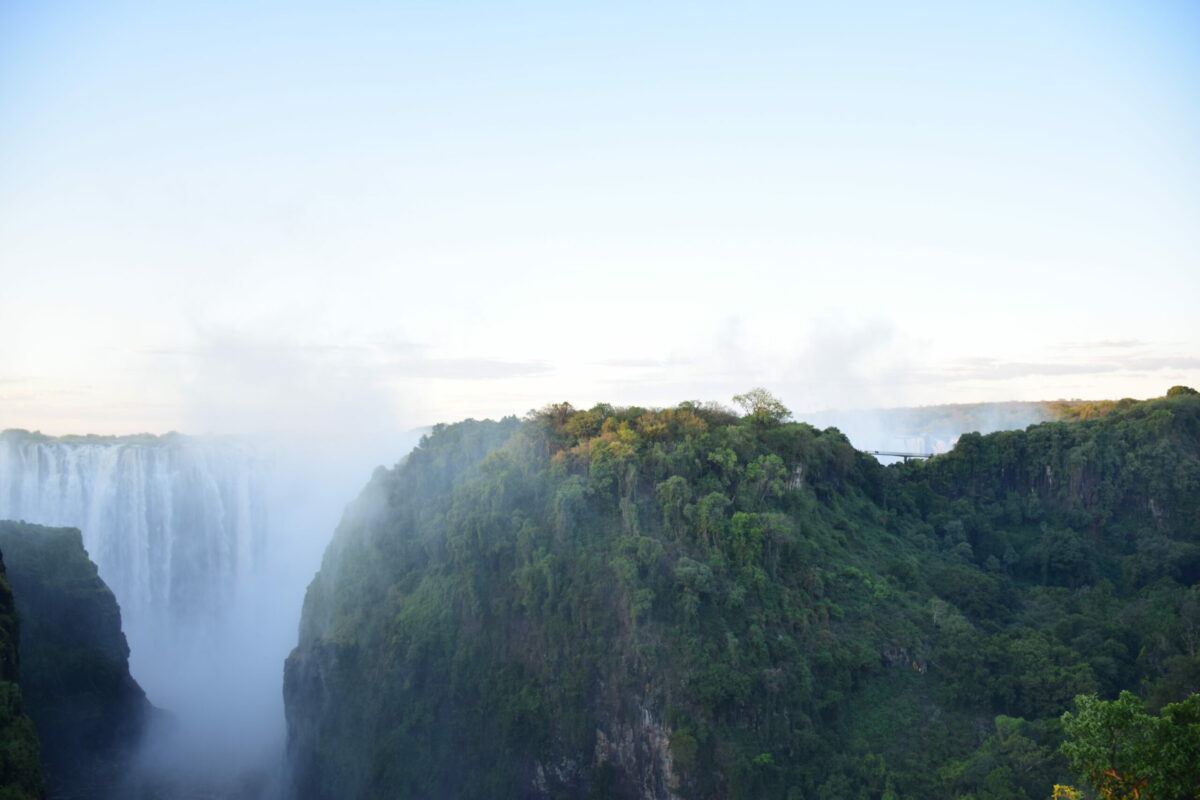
x: 88, y: 711
x: 20, y: 765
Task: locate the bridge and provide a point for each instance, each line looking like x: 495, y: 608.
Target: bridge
x: 905, y: 456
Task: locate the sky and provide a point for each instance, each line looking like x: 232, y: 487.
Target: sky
x: 228, y: 217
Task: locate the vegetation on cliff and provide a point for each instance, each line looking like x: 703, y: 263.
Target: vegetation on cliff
x: 1121, y: 751
x: 88, y: 711
x: 20, y: 768
x: 628, y: 602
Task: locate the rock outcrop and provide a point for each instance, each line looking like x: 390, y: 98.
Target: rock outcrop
x: 20, y: 765
x: 74, y: 662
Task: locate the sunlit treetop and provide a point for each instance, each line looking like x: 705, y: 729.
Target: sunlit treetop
x: 762, y: 407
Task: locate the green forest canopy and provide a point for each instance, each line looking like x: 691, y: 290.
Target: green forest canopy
x: 798, y: 620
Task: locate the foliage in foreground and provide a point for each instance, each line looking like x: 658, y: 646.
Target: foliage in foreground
x: 1124, y: 753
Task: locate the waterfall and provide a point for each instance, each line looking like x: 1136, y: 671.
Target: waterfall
x: 178, y: 527
x: 208, y: 544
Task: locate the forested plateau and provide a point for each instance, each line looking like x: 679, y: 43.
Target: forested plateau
x: 693, y: 603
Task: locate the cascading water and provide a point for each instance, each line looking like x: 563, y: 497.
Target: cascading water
x: 179, y: 529
x: 208, y: 544
x: 173, y: 524
x: 177, y: 526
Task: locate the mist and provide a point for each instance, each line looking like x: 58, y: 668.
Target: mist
x: 925, y: 430
x: 209, y: 539
x: 319, y: 422
x: 221, y: 680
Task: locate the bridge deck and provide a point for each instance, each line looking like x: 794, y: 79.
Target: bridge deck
x: 905, y: 456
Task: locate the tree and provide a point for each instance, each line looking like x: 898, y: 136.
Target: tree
x: 762, y: 407
x: 1126, y: 754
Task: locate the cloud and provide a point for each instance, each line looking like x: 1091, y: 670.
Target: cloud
x: 369, y: 362
x: 1101, y: 344
x: 466, y: 368
x: 992, y: 369
x: 240, y: 381
x: 849, y: 364
x: 995, y: 370
x: 1164, y: 362
x: 646, y: 363
x: 233, y: 381
x: 807, y: 363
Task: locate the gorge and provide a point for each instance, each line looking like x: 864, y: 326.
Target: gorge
x: 633, y: 602
x: 207, y: 544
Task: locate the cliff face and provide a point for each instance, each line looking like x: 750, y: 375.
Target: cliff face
x: 177, y: 525
x: 683, y: 603
x: 88, y: 710
x: 20, y: 767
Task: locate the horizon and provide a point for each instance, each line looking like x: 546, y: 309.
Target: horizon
x: 412, y: 430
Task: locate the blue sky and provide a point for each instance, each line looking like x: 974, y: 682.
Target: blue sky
x: 226, y: 216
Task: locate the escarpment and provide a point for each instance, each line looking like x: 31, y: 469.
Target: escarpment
x: 88, y: 711
x: 684, y: 602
